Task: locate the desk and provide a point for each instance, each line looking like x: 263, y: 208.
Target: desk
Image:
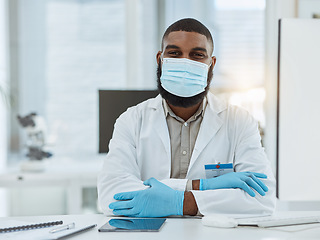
x: 186, y: 229
x: 69, y: 174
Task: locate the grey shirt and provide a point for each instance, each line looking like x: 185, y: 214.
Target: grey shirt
x: 183, y: 135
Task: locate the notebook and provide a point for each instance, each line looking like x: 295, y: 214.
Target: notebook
x: 15, y: 226
x: 39, y: 233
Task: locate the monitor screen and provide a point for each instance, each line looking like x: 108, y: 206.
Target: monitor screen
x: 111, y: 104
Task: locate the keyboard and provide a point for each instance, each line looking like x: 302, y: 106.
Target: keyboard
x: 275, y: 221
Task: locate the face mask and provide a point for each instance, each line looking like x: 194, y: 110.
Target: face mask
x: 183, y: 77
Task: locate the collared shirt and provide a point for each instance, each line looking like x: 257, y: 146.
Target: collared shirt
x: 183, y: 135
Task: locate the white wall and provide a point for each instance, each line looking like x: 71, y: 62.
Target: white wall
x: 3, y: 110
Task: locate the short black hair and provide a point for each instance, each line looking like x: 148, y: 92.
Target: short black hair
x: 189, y: 25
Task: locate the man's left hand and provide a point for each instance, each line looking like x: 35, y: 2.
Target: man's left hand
x: 157, y: 201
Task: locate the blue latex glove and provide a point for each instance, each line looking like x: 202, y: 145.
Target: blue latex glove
x: 157, y: 201
x: 243, y: 180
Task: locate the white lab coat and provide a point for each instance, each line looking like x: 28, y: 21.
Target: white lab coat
x: 140, y: 149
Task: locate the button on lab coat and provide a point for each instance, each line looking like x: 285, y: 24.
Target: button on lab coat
x: 140, y: 149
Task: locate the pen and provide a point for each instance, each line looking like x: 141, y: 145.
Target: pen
x: 62, y: 228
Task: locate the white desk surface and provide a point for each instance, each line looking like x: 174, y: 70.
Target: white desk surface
x: 186, y: 228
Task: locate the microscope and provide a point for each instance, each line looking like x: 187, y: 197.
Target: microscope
x: 36, y: 131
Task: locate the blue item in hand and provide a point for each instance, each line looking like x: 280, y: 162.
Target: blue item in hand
x: 243, y: 180
x: 157, y: 201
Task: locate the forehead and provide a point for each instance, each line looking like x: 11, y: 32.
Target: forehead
x: 184, y: 39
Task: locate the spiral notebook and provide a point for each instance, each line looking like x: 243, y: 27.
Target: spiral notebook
x: 38, y: 232
x: 10, y: 227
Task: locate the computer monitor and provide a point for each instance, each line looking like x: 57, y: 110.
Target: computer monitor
x: 111, y: 104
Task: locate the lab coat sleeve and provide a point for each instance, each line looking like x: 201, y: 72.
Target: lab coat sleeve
x: 248, y: 156
x: 120, y: 172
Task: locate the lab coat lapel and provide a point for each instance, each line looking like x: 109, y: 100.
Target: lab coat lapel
x: 210, y: 125
x: 160, y: 124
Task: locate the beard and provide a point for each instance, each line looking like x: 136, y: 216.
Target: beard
x: 183, y: 101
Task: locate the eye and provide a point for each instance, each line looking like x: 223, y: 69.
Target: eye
x: 173, y: 53
x: 198, y: 55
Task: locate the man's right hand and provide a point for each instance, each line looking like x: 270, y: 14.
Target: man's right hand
x: 243, y: 180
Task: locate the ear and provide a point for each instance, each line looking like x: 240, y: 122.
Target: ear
x: 158, y: 56
x: 214, y: 59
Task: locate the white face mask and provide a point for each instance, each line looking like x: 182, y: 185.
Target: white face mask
x: 183, y: 77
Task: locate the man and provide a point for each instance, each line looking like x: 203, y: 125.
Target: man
x: 156, y: 163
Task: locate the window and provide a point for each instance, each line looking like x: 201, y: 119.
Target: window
x: 86, y: 50
x: 91, y: 45
x: 69, y: 49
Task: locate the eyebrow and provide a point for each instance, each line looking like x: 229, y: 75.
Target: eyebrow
x: 194, y: 49
x: 199, y: 49
x: 172, y: 46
